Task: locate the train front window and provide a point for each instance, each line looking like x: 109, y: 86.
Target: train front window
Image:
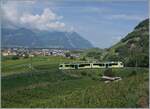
x: 69, y: 66
x: 60, y: 65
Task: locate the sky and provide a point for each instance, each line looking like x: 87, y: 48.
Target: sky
x: 102, y: 22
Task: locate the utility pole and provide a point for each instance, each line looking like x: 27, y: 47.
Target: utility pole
x: 30, y: 65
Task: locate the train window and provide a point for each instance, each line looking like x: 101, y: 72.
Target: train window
x: 114, y: 63
x: 99, y: 64
x: 67, y: 65
x: 95, y: 64
x: 83, y: 65
x: 110, y: 64
x: 72, y: 65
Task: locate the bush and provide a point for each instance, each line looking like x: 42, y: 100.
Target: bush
x: 67, y: 54
x: 100, y: 74
x: 83, y: 59
x: 94, y: 78
x: 26, y: 56
x: 89, y: 74
x: 83, y: 73
x: 133, y: 73
x: 15, y: 57
x: 108, y: 72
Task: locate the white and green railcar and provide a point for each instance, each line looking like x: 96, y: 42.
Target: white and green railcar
x: 113, y: 65
x: 75, y: 66
x: 98, y: 65
x: 68, y: 66
x: 91, y: 65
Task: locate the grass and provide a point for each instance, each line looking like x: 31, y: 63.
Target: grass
x: 46, y: 86
x: 23, y: 65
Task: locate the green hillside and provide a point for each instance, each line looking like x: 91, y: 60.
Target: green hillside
x: 133, y: 49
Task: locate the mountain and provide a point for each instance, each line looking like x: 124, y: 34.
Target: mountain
x: 133, y: 49
x: 23, y: 37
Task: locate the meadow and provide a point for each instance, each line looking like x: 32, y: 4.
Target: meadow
x: 37, y: 82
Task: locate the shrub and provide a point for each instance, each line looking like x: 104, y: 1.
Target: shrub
x: 100, y: 74
x: 133, y: 73
x: 94, y: 78
x: 26, y: 56
x: 142, y: 102
x: 83, y: 73
x: 83, y: 59
x: 89, y: 74
x: 71, y: 57
x: 15, y: 57
x: 67, y: 54
x: 108, y: 72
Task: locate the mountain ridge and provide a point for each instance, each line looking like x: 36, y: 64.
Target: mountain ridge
x: 24, y: 37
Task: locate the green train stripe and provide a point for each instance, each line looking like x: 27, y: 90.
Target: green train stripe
x: 91, y: 65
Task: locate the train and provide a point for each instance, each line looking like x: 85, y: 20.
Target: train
x: 91, y: 65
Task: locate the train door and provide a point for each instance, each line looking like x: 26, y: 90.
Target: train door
x: 76, y: 66
x: 107, y: 65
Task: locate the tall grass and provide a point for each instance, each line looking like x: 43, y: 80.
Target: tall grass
x: 46, y: 86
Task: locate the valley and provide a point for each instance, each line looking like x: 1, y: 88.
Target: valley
x: 45, y: 85
x: 74, y: 54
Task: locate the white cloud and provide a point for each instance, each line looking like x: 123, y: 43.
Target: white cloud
x: 47, y: 20
x: 10, y: 12
x: 125, y: 17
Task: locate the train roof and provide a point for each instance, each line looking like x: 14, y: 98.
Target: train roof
x: 91, y: 62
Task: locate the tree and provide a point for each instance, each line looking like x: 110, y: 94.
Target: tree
x: 15, y: 57
x: 26, y: 56
x: 83, y: 59
x: 67, y: 54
